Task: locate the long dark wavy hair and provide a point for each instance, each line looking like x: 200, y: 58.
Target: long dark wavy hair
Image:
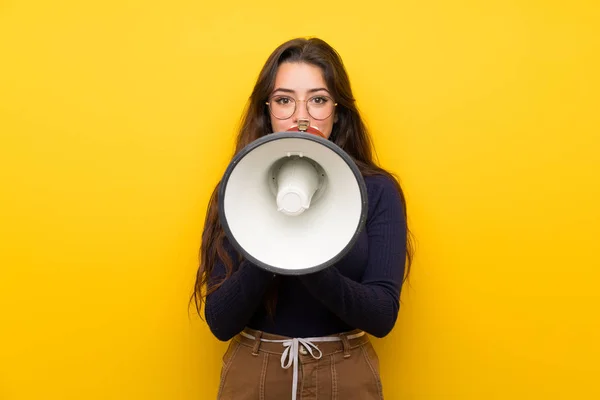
x: 349, y: 133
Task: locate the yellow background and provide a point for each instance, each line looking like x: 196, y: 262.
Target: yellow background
x: 117, y: 118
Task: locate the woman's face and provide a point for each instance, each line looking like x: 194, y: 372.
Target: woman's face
x: 301, y: 83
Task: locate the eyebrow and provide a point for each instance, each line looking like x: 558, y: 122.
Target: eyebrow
x: 292, y: 91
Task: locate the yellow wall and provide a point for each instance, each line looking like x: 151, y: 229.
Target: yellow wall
x: 116, y: 119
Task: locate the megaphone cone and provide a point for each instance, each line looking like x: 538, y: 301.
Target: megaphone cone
x: 292, y: 202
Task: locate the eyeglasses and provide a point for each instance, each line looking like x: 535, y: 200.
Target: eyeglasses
x: 319, y: 107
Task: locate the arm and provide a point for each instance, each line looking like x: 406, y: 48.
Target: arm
x: 230, y: 307
x: 373, y: 303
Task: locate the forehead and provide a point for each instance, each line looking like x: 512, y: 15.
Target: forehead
x: 299, y: 77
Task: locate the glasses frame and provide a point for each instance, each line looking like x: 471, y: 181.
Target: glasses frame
x: 268, y: 103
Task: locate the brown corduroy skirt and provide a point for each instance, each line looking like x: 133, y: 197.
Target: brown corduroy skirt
x: 260, y: 366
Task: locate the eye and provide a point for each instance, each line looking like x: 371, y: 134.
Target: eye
x: 282, y: 100
x: 319, y: 100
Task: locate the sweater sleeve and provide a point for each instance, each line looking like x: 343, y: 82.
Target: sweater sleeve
x: 373, y: 303
x: 229, y: 308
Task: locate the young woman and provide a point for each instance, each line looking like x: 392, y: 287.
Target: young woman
x: 305, y: 336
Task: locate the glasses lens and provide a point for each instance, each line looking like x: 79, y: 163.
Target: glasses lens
x: 320, y: 107
x: 282, y: 107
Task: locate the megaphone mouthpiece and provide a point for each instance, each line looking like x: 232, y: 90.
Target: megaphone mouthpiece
x: 304, y: 126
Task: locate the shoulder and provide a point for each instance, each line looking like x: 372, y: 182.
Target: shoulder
x: 381, y: 185
x: 383, y: 193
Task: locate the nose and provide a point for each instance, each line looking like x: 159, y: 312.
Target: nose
x: 301, y: 111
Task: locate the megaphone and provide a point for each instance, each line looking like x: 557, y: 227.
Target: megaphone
x: 292, y: 202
